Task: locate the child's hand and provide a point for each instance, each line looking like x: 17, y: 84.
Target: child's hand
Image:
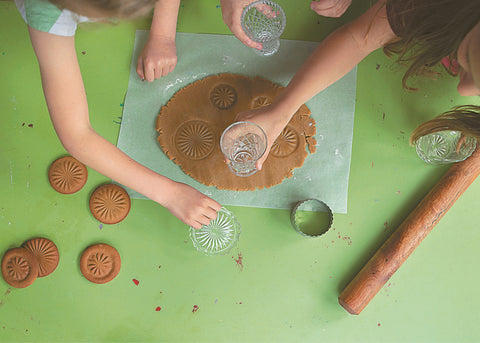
x: 232, y: 14
x: 330, y: 8
x: 158, y: 58
x: 192, y: 207
x: 270, y: 120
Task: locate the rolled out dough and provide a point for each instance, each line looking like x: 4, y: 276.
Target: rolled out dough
x: 190, y: 125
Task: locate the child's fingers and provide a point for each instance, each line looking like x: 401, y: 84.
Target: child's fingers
x: 330, y: 8
x: 324, y: 7
x: 196, y: 225
x: 149, y: 73
x: 210, y: 213
x: 215, y: 206
x: 260, y: 162
x: 203, y: 220
x: 242, y: 37
x: 247, y: 41
x: 266, y: 10
x: 165, y: 70
x: 171, y: 68
x: 140, y: 69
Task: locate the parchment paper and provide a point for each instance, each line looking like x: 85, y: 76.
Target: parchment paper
x: 324, y: 174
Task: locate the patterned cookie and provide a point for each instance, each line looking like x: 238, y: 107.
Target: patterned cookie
x: 19, y: 267
x: 46, y: 254
x: 100, y: 263
x: 110, y: 204
x: 67, y: 175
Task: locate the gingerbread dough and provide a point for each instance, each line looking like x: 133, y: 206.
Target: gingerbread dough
x: 191, y: 123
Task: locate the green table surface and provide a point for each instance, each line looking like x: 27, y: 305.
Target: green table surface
x: 276, y: 286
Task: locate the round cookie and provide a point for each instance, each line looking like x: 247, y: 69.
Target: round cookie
x: 100, y: 263
x: 46, y: 254
x: 19, y: 267
x: 67, y: 175
x: 110, y: 204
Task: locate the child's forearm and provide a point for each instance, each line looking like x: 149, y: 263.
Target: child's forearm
x: 67, y: 105
x: 69, y: 113
x: 99, y: 154
x: 164, y: 22
x: 335, y: 57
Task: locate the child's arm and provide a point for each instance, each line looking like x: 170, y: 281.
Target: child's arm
x: 67, y: 104
x: 333, y: 58
x: 159, y: 55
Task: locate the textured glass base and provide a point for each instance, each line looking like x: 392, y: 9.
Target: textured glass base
x: 243, y: 143
x: 219, y: 237
x: 242, y: 170
x: 441, y: 147
x: 269, y: 48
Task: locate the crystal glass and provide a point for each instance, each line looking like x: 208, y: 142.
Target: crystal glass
x: 444, y: 147
x: 264, y: 21
x: 219, y: 237
x: 243, y: 143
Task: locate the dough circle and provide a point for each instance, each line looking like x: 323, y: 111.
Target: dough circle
x: 190, y: 125
x: 110, y: 204
x: 45, y: 252
x: 67, y: 175
x: 100, y: 263
x: 19, y: 267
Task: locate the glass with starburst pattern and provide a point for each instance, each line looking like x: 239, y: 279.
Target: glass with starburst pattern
x: 445, y: 147
x: 264, y: 21
x: 219, y: 237
x: 243, y: 143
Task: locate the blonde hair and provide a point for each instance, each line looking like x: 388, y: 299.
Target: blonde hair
x: 119, y: 9
x: 430, y: 30
x: 465, y: 119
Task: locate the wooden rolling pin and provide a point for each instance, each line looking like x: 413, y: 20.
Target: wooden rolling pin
x: 409, y: 234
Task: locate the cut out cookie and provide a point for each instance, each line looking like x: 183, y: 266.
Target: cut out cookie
x: 46, y: 254
x: 100, y: 263
x: 191, y: 123
x: 67, y: 175
x: 110, y: 204
x: 19, y: 267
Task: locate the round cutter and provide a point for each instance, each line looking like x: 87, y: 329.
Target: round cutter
x: 311, y: 217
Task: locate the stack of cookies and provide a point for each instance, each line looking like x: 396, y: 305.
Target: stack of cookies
x: 37, y: 257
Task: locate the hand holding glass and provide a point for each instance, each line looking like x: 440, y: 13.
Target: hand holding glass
x: 243, y: 143
x: 264, y: 21
x: 218, y: 237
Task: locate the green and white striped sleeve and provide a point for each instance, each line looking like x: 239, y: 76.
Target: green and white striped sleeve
x: 44, y: 16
